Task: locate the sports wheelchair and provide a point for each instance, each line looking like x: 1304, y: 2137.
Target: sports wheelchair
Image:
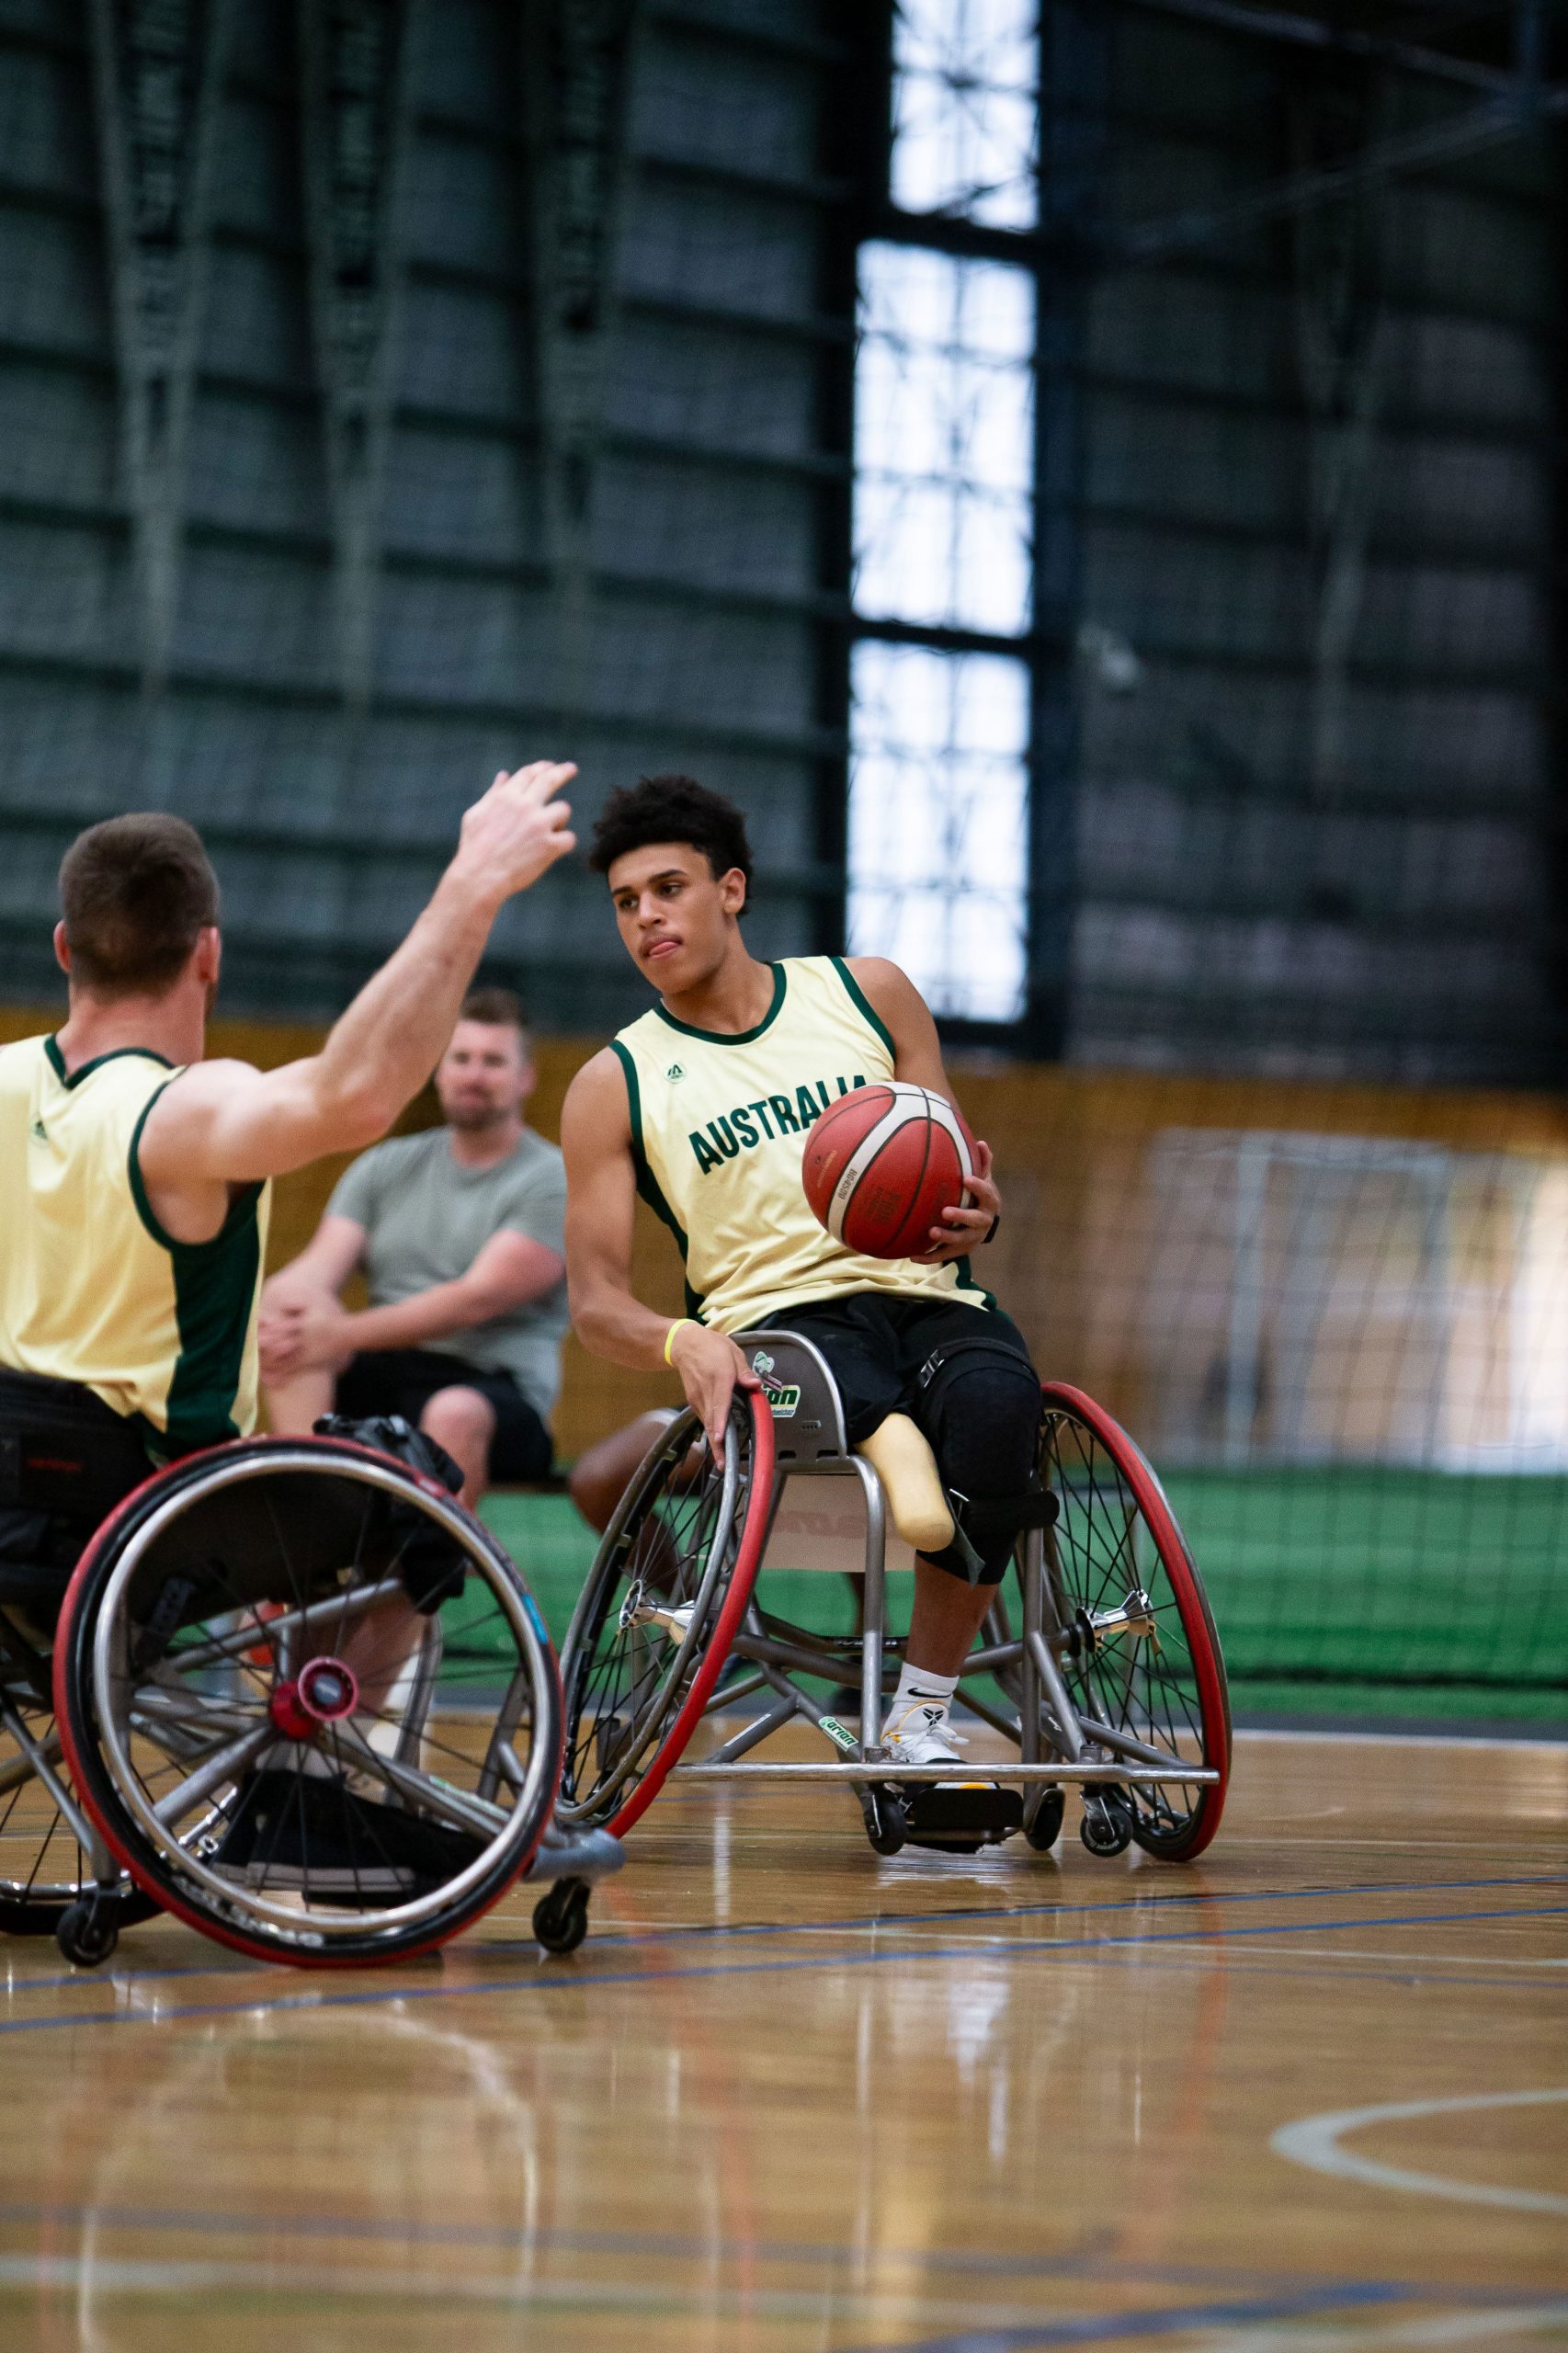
x: 288, y: 1689
x: 1108, y: 1675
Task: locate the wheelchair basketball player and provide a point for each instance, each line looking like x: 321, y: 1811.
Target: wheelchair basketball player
x: 135, y: 1180
x: 700, y: 1106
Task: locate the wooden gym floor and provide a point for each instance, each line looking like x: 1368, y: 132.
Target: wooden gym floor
x: 1307, y: 2094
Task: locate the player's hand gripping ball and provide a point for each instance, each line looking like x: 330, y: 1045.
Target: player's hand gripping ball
x: 881, y: 1166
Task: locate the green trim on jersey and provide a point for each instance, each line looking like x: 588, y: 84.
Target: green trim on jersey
x: 214, y: 1284
x: 738, y: 1037
x: 966, y: 1282
x: 863, y: 1004
x: 85, y: 1069
x: 648, y: 1184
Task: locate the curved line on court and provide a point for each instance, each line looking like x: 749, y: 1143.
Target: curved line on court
x: 1315, y: 2142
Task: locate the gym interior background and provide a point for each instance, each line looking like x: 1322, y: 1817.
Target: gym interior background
x: 1087, y: 477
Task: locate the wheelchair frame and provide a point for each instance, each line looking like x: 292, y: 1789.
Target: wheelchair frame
x: 139, y: 1854
x: 1058, y: 1743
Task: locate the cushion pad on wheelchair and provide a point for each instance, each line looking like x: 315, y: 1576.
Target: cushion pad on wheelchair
x: 961, y: 1816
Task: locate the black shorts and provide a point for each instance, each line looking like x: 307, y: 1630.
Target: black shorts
x: 404, y: 1381
x: 875, y: 1343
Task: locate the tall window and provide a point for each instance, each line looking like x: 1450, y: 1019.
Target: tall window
x: 965, y: 109
x: 944, y: 455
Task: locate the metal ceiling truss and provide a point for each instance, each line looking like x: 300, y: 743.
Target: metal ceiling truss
x: 355, y: 110
x: 579, y: 62
x: 1516, y: 103
x: 158, y: 72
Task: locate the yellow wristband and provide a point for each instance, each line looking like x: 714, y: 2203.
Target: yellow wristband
x: 679, y: 1326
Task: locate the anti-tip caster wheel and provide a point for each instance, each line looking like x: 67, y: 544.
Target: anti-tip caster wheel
x: 87, y: 1932
x: 886, y: 1824
x: 561, y: 1916
x: 1044, y: 1828
x: 1107, y: 1826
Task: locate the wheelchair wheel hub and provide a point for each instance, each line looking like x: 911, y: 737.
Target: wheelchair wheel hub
x: 1092, y: 1628
x: 324, y: 1690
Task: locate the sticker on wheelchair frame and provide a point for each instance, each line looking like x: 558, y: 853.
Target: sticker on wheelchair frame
x: 836, y: 1733
x: 784, y: 1397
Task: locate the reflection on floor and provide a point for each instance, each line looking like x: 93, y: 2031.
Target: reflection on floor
x: 1309, y: 2093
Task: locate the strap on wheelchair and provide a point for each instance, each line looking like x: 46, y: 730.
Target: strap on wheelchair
x: 984, y: 1344
x: 1010, y: 1515
x: 427, y: 1560
x: 390, y: 1434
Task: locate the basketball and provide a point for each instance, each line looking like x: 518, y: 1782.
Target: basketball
x: 880, y: 1167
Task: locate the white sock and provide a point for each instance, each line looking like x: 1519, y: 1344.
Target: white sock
x: 917, y: 1687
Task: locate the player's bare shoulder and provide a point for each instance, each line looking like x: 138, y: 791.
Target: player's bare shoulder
x: 893, y: 997
x: 596, y: 1117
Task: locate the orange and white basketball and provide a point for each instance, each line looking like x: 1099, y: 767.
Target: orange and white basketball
x: 880, y: 1167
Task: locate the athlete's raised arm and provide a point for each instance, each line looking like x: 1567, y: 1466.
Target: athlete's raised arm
x: 601, y: 1209
x: 223, y: 1122
x: 917, y: 1058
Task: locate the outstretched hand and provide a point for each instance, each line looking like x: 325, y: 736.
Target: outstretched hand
x: 519, y: 829
x: 965, y: 1227
x: 711, y: 1369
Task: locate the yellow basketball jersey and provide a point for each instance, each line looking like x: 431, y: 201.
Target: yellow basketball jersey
x: 718, y: 1127
x: 91, y: 1287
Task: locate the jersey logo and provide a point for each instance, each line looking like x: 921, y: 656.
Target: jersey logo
x: 675, y: 1073
x: 40, y: 1133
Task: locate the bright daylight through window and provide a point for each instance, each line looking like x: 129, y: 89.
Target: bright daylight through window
x: 944, y: 454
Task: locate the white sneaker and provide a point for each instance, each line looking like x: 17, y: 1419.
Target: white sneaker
x: 921, y: 1734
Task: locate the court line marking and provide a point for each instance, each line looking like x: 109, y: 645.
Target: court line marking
x: 1315, y: 2142
x: 1449, y: 1960
x: 1151, y: 1902
x: 1111, y: 2328
x: 129, y: 1976
x: 1089, y: 2263
x: 1554, y: 1743
x: 1463, y: 2327
x: 1460, y: 2328
x: 294, y: 2283
x: 984, y: 2330
x: 1001, y: 1948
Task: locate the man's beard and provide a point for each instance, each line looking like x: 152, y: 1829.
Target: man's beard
x: 473, y: 1118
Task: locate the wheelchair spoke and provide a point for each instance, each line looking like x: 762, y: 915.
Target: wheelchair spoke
x: 225, y: 1763
x: 1125, y: 1648
x: 474, y: 1814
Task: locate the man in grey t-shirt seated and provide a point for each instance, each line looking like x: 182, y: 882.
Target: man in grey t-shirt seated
x: 460, y: 1232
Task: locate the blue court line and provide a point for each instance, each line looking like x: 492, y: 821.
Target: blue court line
x: 676, y: 2246
x: 1104, y: 2328
x: 1087, y: 2265
x: 1002, y: 1949
x: 1149, y: 1902
x: 641, y: 1940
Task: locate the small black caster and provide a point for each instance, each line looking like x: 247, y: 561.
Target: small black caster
x: 1044, y: 1828
x: 1107, y: 1826
x: 560, y: 1915
x: 886, y: 1825
x: 87, y: 1931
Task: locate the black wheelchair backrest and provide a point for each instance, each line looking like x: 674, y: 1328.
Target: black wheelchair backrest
x: 808, y: 1413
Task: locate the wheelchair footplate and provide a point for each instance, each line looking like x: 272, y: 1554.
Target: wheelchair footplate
x: 957, y: 1817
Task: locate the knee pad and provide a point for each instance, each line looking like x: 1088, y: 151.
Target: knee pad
x: 978, y: 1402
